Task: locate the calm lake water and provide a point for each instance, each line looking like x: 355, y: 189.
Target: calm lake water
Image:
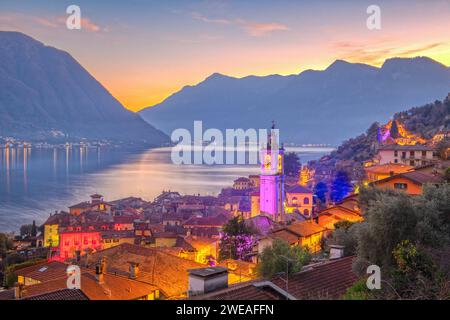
x: 37, y: 181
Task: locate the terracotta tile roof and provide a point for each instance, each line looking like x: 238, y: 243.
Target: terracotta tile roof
x: 82, y: 205
x: 414, y: 176
x: 157, y: 267
x: 7, y: 294
x: 406, y: 148
x: 216, y: 221
x: 328, y: 280
x: 388, y: 167
x: 124, y: 219
x: 64, y: 294
x: 243, y: 291
x: 114, y: 287
x: 285, y: 235
x: 298, y: 189
x: 44, y: 271
x: 305, y: 228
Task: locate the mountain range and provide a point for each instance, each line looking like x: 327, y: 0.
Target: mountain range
x: 326, y: 106
x: 45, y: 94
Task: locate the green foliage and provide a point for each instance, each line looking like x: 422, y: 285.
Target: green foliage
x: 237, y: 226
x: 5, y: 244
x: 442, y: 149
x: 344, y: 235
x: 426, y: 120
x: 291, y: 164
x: 408, y: 238
x: 416, y: 275
x: 447, y: 174
x: 25, y: 230
x: 14, y: 263
x: 236, y: 240
x: 358, y: 291
x: 281, y: 257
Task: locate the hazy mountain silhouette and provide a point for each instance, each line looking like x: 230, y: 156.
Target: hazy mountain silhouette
x: 312, y: 107
x: 43, y: 89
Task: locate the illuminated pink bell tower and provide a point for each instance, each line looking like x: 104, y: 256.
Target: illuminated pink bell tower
x: 271, y: 188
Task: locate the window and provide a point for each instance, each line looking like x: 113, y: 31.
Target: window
x: 294, y: 200
x: 401, y: 186
x: 395, y: 153
x: 411, y: 153
x: 396, y: 161
x: 424, y: 153
x: 403, y: 154
x: 306, y: 212
x: 306, y: 201
x: 411, y: 163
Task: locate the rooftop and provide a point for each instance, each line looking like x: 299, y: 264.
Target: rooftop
x: 406, y: 147
x: 206, y: 272
x: 414, y: 176
x: 298, y: 189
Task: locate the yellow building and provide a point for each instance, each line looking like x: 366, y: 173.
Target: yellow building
x: 51, y: 230
x: 254, y: 211
x: 306, y: 234
x: 299, y: 200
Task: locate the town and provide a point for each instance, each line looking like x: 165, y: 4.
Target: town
x: 282, y: 234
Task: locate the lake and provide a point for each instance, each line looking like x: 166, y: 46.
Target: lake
x: 37, y: 181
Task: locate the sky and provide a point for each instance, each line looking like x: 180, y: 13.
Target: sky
x: 143, y: 51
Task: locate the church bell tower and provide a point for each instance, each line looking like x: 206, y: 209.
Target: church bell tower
x: 271, y: 187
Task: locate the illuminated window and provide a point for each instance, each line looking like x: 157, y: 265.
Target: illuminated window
x: 400, y: 186
x: 294, y: 200
x: 267, y: 163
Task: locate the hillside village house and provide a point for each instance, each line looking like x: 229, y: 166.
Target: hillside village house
x: 303, y: 234
x: 416, y: 155
x: 410, y: 182
x: 96, y: 204
x: 299, y: 200
x: 382, y: 171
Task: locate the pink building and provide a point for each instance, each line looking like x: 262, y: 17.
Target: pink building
x: 271, y: 188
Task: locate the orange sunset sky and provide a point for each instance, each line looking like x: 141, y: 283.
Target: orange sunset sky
x: 143, y: 51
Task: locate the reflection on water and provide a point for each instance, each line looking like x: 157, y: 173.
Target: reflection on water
x: 37, y: 181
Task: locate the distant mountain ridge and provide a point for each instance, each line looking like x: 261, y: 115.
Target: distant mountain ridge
x: 44, y: 91
x: 326, y: 106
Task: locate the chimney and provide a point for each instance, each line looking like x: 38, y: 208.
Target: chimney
x: 18, y: 290
x: 205, y: 280
x: 134, y: 270
x: 336, y: 251
x: 100, y: 270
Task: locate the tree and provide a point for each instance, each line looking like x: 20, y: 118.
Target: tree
x: 408, y: 237
x: 340, y: 187
x: 25, y: 230
x: 416, y: 275
x: 6, y: 244
x: 447, y: 174
x: 33, y: 231
x: 320, y: 191
x: 443, y: 148
x: 291, y: 164
x: 236, y: 241
x: 394, y: 133
x: 281, y: 257
x: 344, y: 235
